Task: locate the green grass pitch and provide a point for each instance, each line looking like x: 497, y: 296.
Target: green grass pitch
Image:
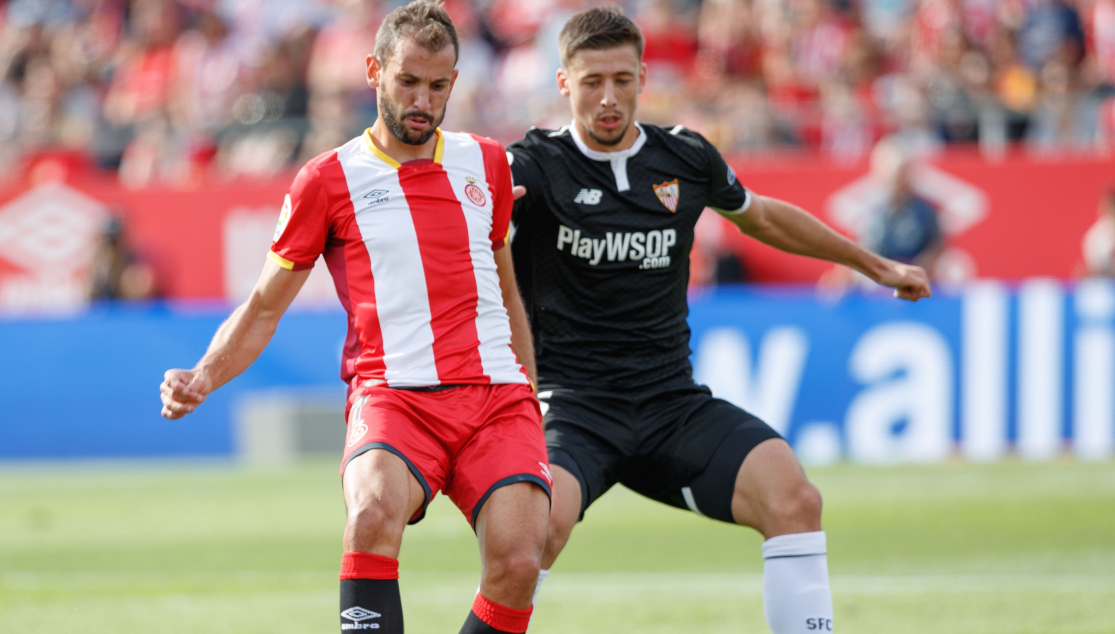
x: 1009, y: 548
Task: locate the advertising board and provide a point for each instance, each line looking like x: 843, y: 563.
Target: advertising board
x: 983, y: 371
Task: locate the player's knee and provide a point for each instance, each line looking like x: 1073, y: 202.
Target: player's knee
x: 799, y: 509
x: 556, y: 537
x: 558, y: 532
x: 563, y: 517
x: 518, y: 568
x: 375, y: 523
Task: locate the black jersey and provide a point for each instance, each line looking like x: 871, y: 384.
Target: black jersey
x: 601, y: 248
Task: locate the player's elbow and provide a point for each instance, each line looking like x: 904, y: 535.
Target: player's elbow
x: 260, y: 312
x: 757, y: 221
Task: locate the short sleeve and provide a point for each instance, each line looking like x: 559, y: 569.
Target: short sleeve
x: 301, y: 234
x: 525, y: 171
x: 726, y: 194
x: 502, y: 202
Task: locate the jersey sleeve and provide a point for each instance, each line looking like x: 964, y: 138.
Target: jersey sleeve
x: 726, y: 194
x: 303, y: 230
x: 525, y: 171
x: 502, y: 200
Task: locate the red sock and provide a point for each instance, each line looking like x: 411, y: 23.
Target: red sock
x: 368, y: 566
x: 500, y: 617
x: 370, y: 593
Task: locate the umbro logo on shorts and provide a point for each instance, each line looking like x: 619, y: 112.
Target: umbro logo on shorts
x: 357, y: 614
x: 589, y: 196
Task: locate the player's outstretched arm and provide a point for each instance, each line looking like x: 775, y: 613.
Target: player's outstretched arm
x: 791, y: 229
x: 237, y: 344
x: 521, y: 340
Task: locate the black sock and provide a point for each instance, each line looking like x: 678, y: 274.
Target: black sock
x: 473, y: 625
x: 371, y: 604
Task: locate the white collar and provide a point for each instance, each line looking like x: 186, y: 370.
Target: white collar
x: 608, y: 156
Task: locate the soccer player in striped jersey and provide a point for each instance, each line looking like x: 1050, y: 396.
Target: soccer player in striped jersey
x: 602, y: 245
x: 412, y: 222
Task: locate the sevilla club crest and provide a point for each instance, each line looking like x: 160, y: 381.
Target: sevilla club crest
x: 668, y: 194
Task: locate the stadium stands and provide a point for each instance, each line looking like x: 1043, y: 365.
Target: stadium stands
x: 164, y: 90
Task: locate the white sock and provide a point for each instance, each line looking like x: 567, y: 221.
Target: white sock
x: 796, y: 595
x: 542, y: 574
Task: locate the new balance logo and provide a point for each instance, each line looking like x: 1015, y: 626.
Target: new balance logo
x: 589, y: 196
x: 358, y: 614
x: 546, y: 472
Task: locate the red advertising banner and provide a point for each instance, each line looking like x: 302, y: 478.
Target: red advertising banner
x: 1016, y: 217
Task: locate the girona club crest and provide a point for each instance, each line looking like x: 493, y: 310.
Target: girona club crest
x: 474, y: 193
x: 668, y: 194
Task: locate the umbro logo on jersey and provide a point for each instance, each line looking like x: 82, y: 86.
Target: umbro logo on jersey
x: 377, y: 196
x: 358, y: 614
x: 589, y: 196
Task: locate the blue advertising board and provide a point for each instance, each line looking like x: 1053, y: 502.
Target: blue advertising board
x: 980, y: 371
x: 88, y: 386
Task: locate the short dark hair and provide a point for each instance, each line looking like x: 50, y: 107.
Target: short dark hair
x: 598, y: 28
x: 424, y: 21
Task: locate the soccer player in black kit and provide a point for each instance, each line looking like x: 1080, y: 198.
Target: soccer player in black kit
x: 601, y: 250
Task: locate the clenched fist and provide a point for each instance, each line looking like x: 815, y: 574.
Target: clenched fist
x: 182, y: 391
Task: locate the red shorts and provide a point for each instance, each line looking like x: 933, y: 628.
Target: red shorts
x: 467, y: 440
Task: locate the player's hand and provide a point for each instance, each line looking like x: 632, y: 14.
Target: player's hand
x: 909, y: 282
x: 182, y: 391
x: 518, y: 191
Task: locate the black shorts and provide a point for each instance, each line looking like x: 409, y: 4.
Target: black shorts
x: 679, y: 446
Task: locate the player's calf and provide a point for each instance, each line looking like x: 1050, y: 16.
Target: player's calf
x: 381, y: 495
x: 564, y: 513
x: 511, y: 529
x: 773, y: 495
x: 796, y: 595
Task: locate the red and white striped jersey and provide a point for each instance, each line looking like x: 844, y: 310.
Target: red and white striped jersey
x: 410, y: 248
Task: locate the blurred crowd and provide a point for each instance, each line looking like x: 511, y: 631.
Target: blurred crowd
x: 174, y: 90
